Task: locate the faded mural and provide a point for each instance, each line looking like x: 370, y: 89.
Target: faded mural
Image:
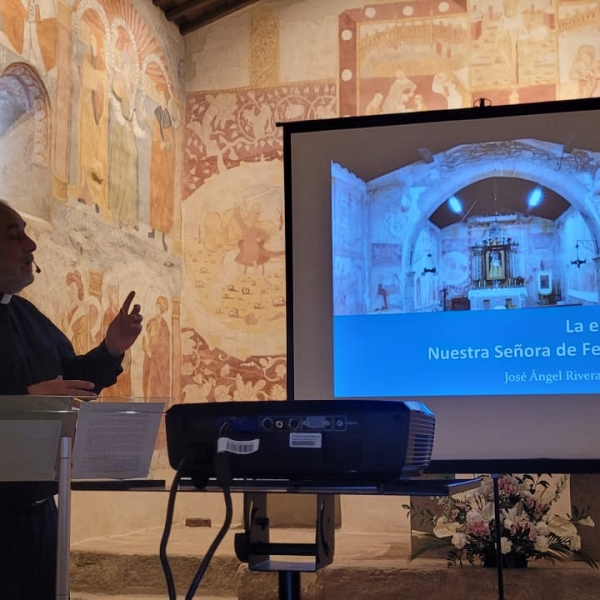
x: 143, y: 165
x: 90, y: 118
x: 390, y: 57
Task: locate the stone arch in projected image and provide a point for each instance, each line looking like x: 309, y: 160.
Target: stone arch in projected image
x: 24, y: 137
x: 573, y: 177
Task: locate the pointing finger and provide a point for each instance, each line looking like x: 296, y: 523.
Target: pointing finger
x: 127, y: 303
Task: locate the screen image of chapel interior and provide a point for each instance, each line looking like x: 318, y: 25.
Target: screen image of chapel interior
x: 487, y: 226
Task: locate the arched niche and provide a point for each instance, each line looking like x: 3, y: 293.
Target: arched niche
x: 25, y: 126
x: 574, y: 178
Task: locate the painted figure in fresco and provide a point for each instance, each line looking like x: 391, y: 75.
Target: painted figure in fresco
x: 375, y: 105
x: 208, y: 122
x: 448, y: 85
x: 162, y: 170
x: 252, y: 251
x: 217, y: 112
x: 156, y: 344
x: 585, y: 70
x: 123, y: 154
x: 77, y: 322
x: 243, y: 242
x: 92, y: 140
x: 510, y: 29
x: 399, y: 95
x: 258, y: 121
x: 31, y: 27
x: 419, y: 102
x: 37, y: 359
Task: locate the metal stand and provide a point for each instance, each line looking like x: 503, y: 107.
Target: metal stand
x: 289, y: 585
x: 64, y: 521
x: 498, y: 537
x: 254, y: 547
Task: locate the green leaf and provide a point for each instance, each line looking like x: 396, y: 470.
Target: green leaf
x: 583, y: 556
x: 429, y: 544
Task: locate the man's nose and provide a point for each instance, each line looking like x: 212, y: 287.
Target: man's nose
x: 31, y: 245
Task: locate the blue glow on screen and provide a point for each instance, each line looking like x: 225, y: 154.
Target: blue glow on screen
x: 455, y: 205
x: 439, y: 296
x: 535, y: 197
x: 468, y: 353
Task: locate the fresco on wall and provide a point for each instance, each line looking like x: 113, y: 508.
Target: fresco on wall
x: 90, y: 112
x: 234, y: 348
x: 116, y: 162
x: 162, y: 166
x: 29, y: 29
x: 227, y: 128
x: 393, y: 57
x: 579, y: 50
x: 235, y: 271
x: 156, y: 345
x: 513, y: 51
x: 25, y: 124
x: 81, y: 321
x: 123, y: 150
x: 407, y: 56
x: 156, y: 365
x: 91, y: 306
x: 212, y: 375
x: 92, y: 125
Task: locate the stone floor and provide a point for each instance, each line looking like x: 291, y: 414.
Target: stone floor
x: 365, y: 567
x: 86, y: 596
x: 109, y: 567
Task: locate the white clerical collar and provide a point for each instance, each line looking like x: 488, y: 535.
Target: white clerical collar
x: 6, y: 298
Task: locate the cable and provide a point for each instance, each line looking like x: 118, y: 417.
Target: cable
x: 223, y: 474
x: 164, y: 561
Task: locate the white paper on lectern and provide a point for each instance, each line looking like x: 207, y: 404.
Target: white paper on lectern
x: 115, y: 440
x: 28, y: 450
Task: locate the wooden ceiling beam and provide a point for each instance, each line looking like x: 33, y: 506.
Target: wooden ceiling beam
x: 162, y: 4
x: 194, y: 14
x: 196, y: 7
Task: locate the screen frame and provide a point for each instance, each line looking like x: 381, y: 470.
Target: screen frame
x: 294, y: 328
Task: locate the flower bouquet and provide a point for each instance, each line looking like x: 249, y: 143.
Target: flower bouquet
x: 529, y: 530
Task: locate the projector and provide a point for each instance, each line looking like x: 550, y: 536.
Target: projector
x: 363, y: 442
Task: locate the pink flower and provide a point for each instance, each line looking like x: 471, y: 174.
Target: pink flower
x: 476, y: 525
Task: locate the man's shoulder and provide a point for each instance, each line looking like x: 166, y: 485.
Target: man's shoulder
x: 24, y: 303
x: 26, y: 306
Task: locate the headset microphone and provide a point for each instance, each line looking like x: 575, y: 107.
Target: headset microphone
x: 37, y: 269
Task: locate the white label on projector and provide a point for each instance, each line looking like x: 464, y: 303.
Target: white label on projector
x: 237, y: 447
x: 305, y: 440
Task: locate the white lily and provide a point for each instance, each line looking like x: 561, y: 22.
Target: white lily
x: 444, y: 529
x: 505, y: 545
x: 588, y: 522
x: 459, y: 540
x: 542, y: 544
x: 561, y: 526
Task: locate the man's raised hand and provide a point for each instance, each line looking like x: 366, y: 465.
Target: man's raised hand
x: 125, y: 327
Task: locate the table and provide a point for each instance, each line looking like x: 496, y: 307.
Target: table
x: 489, y: 298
